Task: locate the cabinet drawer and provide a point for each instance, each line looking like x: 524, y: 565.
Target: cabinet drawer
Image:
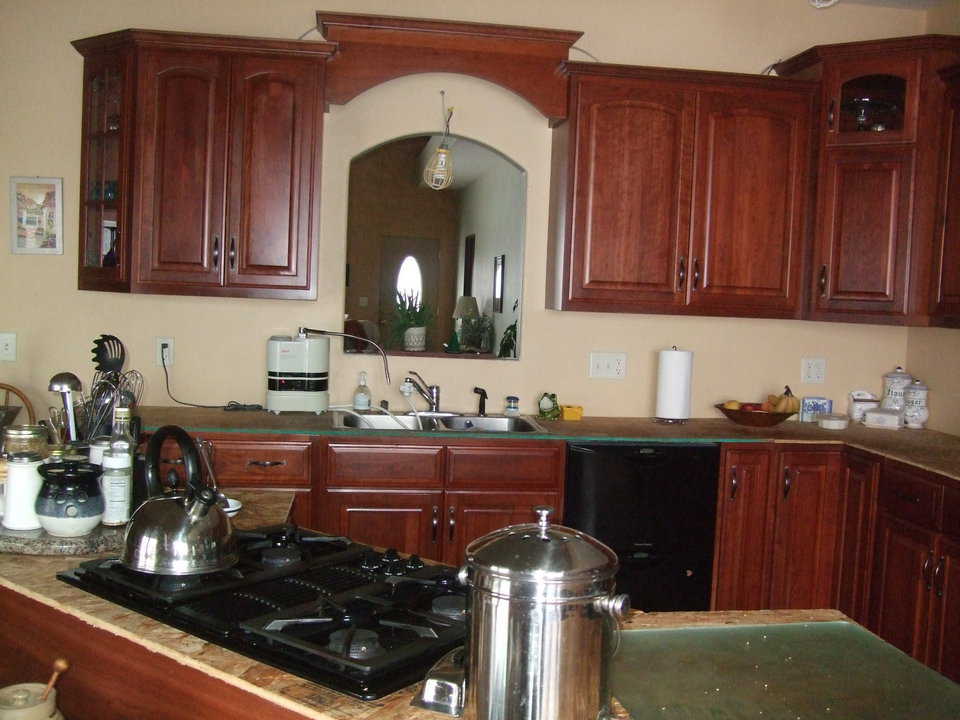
x: 507, y: 467
x: 239, y: 463
x: 399, y: 466
x: 906, y: 495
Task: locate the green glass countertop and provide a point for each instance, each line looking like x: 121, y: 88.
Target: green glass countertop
x: 793, y: 671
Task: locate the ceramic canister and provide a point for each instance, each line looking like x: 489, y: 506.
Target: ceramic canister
x: 894, y: 383
x: 915, y: 412
x: 20, y: 495
x: 70, y: 502
x: 23, y: 702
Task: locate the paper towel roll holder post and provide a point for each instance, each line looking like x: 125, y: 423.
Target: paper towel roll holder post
x: 670, y: 421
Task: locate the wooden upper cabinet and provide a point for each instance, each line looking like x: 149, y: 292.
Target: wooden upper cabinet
x: 680, y: 192
x: 219, y: 181
x: 946, y: 287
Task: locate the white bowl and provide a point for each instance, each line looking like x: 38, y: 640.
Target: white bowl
x: 233, y: 507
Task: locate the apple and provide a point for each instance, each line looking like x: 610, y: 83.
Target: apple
x: 750, y: 406
x: 732, y: 405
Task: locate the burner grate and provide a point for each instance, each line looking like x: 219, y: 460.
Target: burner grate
x: 332, y: 580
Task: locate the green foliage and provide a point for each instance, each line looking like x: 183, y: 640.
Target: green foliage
x: 477, y: 333
x: 408, y: 312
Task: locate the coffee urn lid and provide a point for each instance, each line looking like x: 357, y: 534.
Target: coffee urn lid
x: 542, y: 552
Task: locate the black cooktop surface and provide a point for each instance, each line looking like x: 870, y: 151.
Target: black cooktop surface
x: 333, y: 611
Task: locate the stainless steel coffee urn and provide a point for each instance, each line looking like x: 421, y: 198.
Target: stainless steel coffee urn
x: 544, y: 625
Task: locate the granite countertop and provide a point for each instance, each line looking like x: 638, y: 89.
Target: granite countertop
x: 928, y: 449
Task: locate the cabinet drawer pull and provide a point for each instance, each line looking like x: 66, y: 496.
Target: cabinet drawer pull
x: 435, y: 524
x: 266, y: 463
x: 216, y: 252
x: 233, y: 252
x: 831, y: 112
x: 452, y: 522
x: 734, y: 483
x: 925, y: 571
x: 938, y: 576
x: 171, y: 461
x: 900, y: 495
x: 823, y: 281
x: 696, y: 274
x: 787, y: 483
x: 682, y: 273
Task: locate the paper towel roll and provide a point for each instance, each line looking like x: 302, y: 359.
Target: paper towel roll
x: 674, y: 376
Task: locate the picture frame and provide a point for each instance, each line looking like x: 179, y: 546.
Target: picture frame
x: 499, y: 267
x: 36, y: 216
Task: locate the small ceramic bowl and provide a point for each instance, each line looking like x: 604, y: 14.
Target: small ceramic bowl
x: 233, y: 507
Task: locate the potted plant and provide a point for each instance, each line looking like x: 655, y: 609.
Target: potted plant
x: 410, y: 319
x: 476, y: 334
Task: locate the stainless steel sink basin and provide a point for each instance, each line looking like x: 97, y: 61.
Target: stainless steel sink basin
x: 382, y: 422
x: 491, y: 423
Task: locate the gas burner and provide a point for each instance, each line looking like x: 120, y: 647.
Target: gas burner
x: 451, y: 606
x: 356, y: 643
x: 280, y: 556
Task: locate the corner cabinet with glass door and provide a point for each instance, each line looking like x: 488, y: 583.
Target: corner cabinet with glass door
x: 881, y: 124
x: 201, y: 159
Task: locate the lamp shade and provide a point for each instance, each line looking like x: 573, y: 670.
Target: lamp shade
x: 467, y: 307
x: 438, y: 174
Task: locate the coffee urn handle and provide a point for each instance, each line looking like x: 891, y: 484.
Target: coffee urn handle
x: 614, y: 608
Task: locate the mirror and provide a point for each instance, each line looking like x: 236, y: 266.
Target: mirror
x: 448, y: 260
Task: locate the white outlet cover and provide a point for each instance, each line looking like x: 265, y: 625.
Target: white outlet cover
x: 813, y: 370
x: 8, y: 347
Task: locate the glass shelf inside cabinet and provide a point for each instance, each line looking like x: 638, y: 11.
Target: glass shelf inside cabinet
x: 873, y: 103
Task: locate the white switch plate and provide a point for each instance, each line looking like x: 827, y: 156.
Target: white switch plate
x: 8, y: 347
x: 813, y: 370
x: 168, y: 359
x: 608, y: 365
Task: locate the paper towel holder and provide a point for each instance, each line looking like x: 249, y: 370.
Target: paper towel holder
x: 666, y: 420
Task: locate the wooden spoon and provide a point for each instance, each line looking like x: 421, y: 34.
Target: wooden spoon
x: 59, y: 665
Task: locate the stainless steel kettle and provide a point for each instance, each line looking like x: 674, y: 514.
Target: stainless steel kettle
x: 544, y: 625
x: 179, y: 533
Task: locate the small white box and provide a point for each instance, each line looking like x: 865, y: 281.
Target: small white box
x: 884, y: 418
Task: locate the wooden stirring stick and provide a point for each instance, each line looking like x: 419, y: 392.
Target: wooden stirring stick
x: 59, y: 665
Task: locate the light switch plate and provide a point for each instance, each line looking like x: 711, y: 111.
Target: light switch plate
x: 608, y: 365
x: 813, y: 370
x: 8, y: 347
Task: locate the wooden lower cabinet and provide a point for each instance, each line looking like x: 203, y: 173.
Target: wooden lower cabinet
x: 943, y: 639
x: 408, y: 520
x: 857, y: 517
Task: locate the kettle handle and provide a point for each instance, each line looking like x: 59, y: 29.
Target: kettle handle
x: 188, y: 450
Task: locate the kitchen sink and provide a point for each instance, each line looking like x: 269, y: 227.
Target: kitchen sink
x: 437, y: 422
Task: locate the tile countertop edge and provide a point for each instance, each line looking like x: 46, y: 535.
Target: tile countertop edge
x: 170, y: 653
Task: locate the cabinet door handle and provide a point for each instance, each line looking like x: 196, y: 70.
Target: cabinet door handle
x: 696, y: 274
x: 831, y: 111
x: 822, y: 282
x: 787, y: 483
x: 452, y: 522
x: 266, y: 463
x: 925, y: 571
x: 435, y: 524
x: 734, y: 483
x: 216, y: 252
x: 914, y: 499
x: 171, y: 461
x: 938, y: 576
x: 682, y: 273
x: 233, y: 252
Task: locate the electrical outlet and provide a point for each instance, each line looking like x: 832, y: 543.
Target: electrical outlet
x: 813, y: 370
x: 166, y: 358
x: 608, y: 365
x: 8, y: 347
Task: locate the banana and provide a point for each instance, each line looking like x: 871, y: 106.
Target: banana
x: 788, y: 402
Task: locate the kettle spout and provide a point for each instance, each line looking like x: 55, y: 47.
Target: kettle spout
x: 201, y: 504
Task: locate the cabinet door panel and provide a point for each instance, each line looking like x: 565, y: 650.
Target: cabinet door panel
x: 506, y: 467
x: 472, y: 515
x: 857, y: 518
x: 182, y: 100
x: 742, y: 563
x: 943, y: 647
x: 275, y: 108
x: 947, y: 279
x: 633, y: 170
x: 899, y: 596
x: 752, y: 163
x: 399, y: 466
x: 407, y: 521
x: 864, y: 238
x: 805, y: 542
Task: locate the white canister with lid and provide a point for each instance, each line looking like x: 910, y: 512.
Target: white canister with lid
x: 20, y: 495
x: 915, y: 412
x: 25, y: 701
x: 894, y: 383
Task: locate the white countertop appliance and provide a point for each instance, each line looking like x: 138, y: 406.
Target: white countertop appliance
x: 298, y: 370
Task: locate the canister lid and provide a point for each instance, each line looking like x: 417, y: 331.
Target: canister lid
x: 542, y: 552
x: 25, y: 432
x: 24, y: 457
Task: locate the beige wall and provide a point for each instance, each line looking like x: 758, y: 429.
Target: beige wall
x: 932, y: 355
x: 945, y: 18
x: 220, y: 342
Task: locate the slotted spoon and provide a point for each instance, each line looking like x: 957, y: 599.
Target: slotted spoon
x: 108, y: 354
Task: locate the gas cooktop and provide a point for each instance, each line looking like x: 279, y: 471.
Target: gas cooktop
x: 336, y: 612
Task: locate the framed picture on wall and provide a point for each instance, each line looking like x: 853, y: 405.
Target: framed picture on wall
x: 36, y: 216
x: 498, y: 270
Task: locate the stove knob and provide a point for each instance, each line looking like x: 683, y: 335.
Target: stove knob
x: 414, y: 563
x: 370, y: 561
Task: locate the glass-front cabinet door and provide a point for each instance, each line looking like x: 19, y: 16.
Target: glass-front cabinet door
x: 103, y: 252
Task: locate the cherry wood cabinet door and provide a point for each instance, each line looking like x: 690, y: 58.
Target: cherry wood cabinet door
x: 861, y: 263
x: 409, y: 521
x: 858, y: 493
x: 753, y: 158
x: 943, y: 646
x: 181, y: 145
x: 742, y: 559
x: 401, y: 466
x: 805, y: 541
x: 276, y: 112
x: 902, y: 577
x: 946, y: 296
x: 470, y: 515
x: 633, y: 163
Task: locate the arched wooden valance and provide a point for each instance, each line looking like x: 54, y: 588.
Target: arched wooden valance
x: 377, y: 48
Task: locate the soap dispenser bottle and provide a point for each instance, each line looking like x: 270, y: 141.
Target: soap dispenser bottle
x: 361, y: 396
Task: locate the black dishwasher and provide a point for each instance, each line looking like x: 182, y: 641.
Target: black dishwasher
x: 655, y: 505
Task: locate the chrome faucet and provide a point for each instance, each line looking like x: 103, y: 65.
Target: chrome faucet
x: 430, y: 393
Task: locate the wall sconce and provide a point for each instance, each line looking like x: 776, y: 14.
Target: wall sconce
x: 438, y: 174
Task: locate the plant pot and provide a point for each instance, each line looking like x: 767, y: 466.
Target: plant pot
x: 415, y: 339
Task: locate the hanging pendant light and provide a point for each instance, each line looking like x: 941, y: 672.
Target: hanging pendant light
x: 438, y: 174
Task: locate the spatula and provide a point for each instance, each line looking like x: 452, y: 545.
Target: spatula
x: 108, y: 354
